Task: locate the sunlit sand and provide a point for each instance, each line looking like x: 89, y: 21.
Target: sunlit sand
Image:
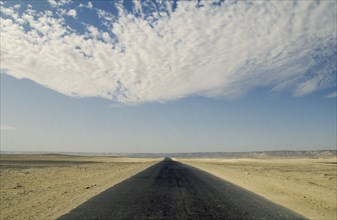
x: 307, y: 186
x: 45, y: 187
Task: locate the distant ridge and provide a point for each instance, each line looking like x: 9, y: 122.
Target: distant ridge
x: 252, y: 154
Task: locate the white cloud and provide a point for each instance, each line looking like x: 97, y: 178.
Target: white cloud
x: 57, y: 3
x: 53, y: 3
x: 72, y: 13
x: 332, y: 95
x: 138, y: 6
x: 106, y: 17
x: 306, y: 87
x: 64, y: 2
x: 88, y: 5
x: 61, y: 12
x: 7, y: 128
x: 93, y: 31
x: 49, y: 13
x: 9, y: 12
x: 106, y: 37
x: 209, y: 51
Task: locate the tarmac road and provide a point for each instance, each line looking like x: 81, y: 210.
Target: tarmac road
x: 172, y: 190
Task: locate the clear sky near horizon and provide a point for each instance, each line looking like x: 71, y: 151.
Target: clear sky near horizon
x: 168, y: 76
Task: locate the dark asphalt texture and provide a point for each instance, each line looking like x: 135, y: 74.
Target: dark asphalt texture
x: 172, y: 190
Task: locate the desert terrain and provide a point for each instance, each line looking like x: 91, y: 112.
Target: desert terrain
x: 305, y: 185
x: 48, y: 186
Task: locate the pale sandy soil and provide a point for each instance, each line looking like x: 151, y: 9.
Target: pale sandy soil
x: 46, y: 187
x: 307, y: 186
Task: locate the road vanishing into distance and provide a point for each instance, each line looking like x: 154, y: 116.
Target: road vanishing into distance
x: 172, y: 190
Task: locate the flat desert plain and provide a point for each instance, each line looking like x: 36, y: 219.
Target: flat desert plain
x: 307, y: 186
x: 48, y: 186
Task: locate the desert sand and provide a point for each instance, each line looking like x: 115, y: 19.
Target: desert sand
x: 48, y: 186
x: 307, y: 186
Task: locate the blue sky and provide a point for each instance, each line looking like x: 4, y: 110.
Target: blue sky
x: 131, y: 76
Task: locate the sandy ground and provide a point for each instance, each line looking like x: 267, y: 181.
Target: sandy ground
x: 46, y: 187
x: 307, y: 186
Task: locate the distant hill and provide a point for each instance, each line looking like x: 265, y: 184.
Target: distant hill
x: 253, y: 154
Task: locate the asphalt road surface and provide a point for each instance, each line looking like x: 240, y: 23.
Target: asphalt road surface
x: 172, y: 190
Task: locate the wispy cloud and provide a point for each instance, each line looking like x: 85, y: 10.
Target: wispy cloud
x: 7, y: 128
x: 209, y: 50
x: 332, y: 95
